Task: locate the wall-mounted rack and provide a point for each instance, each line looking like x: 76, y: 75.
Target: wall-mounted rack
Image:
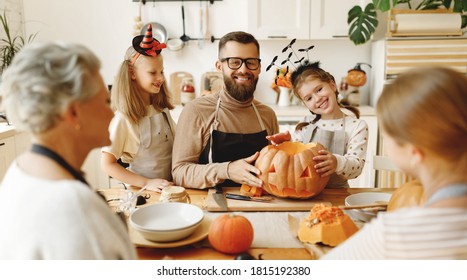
x: 144, y: 1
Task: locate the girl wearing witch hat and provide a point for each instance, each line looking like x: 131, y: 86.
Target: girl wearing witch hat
x: 142, y: 130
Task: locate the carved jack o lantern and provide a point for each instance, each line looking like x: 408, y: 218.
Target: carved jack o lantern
x: 356, y: 77
x: 287, y: 170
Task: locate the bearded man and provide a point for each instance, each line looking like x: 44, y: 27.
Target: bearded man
x: 219, y: 136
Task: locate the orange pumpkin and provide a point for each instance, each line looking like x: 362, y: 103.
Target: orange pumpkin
x: 327, y: 225
x: 231, y: 234
x: 356, y: 78
x: 408, y: 195
x: 287, y: 170
x: 251, y: 191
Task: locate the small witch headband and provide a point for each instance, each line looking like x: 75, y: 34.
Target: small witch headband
x: 147, y: 45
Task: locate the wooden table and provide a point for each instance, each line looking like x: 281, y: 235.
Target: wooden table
x: 201, y: 250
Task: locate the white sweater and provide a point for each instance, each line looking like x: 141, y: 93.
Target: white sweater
x: 410, y: 233
x: 351, y: 163
x: 59, y: 219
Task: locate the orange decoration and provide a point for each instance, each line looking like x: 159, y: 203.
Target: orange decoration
x: 356, y: 78
x: 231, y: 234
x: 408, y: 195
x: 287, y: 170
x: 251, y: 191
x: 327, y: 225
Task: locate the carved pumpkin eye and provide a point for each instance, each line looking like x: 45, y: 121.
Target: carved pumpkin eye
x: 272, y: 169
x: 306, y: 173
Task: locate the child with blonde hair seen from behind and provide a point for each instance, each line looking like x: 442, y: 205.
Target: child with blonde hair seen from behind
x: 344, y: 136
x: 142, y: 130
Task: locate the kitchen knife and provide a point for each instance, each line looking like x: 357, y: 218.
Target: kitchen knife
x: 248, y: 198
x: 219, y: 198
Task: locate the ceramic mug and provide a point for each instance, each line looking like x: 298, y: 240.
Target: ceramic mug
x: 174, y: 194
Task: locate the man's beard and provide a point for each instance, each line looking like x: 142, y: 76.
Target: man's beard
x: 240, y: 92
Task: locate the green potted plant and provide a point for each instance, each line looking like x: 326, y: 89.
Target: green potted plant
x: 9, y: 44
x: 363, y: 23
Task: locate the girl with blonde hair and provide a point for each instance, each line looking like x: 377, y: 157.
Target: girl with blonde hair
x: 142, y: 131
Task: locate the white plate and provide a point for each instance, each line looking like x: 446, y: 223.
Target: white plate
x: 200, y: 233
x: 166, y: 216
x: 363, y: 199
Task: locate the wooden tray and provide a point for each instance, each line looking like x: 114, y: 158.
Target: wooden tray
x: 278, y: 204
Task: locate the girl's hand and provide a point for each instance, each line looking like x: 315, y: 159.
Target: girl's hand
x: 278, y: 138
x: 157, y: 185
x: 327, y: 163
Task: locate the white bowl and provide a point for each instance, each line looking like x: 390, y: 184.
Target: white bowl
x: 167, y: 221
x: 175, y: 44
x: 363, y: 199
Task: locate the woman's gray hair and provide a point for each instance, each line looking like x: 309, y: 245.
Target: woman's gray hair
x: 44, y: 79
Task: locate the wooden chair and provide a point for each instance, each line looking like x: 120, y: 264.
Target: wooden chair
x: 388, y: 175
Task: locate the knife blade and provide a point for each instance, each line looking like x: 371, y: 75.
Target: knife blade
x: 248, y: 198
x: 219, y: 198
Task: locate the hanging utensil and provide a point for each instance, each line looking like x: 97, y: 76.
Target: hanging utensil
x: 201, y: 25
x: 158, y: 30
x: 207, y: 35
x: 138, y: 22
x: 184, y: 37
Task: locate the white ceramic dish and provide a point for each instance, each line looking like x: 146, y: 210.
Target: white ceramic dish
x: 199, y: 234
x: 167, y: 221
x: 363, y: 199
x: 175, y: 44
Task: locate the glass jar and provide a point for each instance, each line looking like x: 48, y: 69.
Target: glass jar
x: 187, y: 90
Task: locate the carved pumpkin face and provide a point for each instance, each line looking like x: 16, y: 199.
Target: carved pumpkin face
x: 287, y: 170
x: 356, y: 78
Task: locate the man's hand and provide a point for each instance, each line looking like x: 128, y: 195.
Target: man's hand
x: 241, y: 170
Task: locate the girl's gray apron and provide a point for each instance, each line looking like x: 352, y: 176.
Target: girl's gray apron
x: 153, y: 159
x: 223, y: 146
x: 334, y: 141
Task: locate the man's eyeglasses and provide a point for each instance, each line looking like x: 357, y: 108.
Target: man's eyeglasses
x: 235, y: 63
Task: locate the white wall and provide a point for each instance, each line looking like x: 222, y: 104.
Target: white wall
x: 13, y: 10
x: 106, y: 26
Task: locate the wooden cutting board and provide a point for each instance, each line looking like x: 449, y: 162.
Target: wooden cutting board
x: 278, y: 204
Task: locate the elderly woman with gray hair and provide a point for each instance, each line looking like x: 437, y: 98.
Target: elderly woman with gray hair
x: 55, y: 92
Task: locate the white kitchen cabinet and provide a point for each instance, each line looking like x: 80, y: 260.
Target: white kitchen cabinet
x: 300, y: 19
x: 328, y: 18
x: 7, y: 153
x: 269, y: 19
